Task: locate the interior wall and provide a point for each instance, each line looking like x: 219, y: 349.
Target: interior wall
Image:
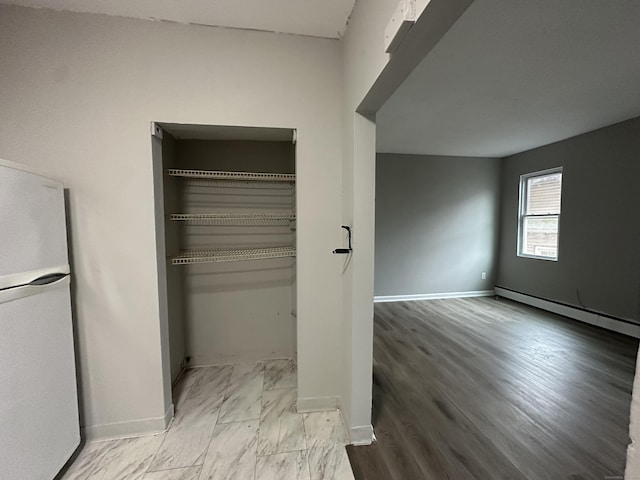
x: 238, y: 311
x: 163, y: 313
x: 77, y: 95
x: 437, y: 221
x: 364, y: 58
x: 238, y: 155
x: 172, y: 199
x: 598, y: 266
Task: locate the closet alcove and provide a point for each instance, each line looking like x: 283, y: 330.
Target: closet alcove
x: 225, y: 200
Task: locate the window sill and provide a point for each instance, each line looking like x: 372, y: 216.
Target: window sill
x: 535, y: 257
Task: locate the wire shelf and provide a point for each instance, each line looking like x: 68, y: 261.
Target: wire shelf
x: 232, y: 255
x: 237, y: 176
x: 288, y: 187
x: 266, y: 218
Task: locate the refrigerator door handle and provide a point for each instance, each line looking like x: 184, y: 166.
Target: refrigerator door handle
x: 48, y: 279
x: 11, y: 294
x: 25, y: 278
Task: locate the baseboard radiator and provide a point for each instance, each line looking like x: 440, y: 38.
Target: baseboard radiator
x: 593, y: 318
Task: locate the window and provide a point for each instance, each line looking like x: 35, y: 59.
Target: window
x: 539, y: 221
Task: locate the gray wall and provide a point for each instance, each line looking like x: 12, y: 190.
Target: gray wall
x: 237, y: 155
x: 173, y: 234
x: 436, y: 224
x: 599, y: 251
x: 71, y: 84
x: 237, y: 311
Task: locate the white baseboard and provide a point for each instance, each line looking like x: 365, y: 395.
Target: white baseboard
x: 133, y: 428
x: 432, y: 296
x: 575, y: 313
x: 362, y: 435
x: 317, y: 404
x: 169, y: 416
x: 214, y: 360
x: 183, y: 370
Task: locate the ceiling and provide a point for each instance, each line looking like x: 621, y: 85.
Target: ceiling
x: 512, y: 75
x: 318, y: 18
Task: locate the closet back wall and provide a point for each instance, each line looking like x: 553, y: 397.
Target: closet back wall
x: 237, y: 155
x: 237, y: 311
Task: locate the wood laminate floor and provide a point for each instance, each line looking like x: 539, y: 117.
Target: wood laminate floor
x: 492, y: 389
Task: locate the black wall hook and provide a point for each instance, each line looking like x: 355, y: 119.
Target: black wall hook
x: 345, y: 250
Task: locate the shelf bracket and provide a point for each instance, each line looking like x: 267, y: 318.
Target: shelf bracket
x: 345, y: 250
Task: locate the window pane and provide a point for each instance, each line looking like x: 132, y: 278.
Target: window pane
x: 543, y: 194
x: 540, y: 237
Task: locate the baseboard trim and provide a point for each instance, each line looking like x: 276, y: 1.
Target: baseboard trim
x: 214, y: 360
x: 169, y: 415
x: 183, y: 370
x: 432, y: 296
x: 362, y: 435
x: 317, y: 404
x: 133, y: 428
x: 574, y: 313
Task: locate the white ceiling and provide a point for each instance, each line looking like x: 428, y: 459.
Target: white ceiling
x: 318, y: 18
x: 512, y: 75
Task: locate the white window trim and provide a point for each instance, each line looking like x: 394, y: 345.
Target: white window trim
x: 521, y: 208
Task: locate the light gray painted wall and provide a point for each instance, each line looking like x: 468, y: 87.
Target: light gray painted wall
x: 599, y: 253
x: 111, y: 430
x: 364, y: 58
x: 237, y: 155
x: 77, y: 95
x: 173, y: 233
x: 236, y: 311
x: 436, y: 224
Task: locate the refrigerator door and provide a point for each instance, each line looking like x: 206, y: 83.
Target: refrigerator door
x: 33, y: 238
x: 39, y: 428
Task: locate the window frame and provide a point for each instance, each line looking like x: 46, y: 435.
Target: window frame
x: 522, y: 216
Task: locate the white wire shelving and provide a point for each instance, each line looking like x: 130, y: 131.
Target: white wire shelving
x: 235, y: 176
x: 241, y: 181
x: 220, y: 255
x: 224, y: 218
x: 288, y: 187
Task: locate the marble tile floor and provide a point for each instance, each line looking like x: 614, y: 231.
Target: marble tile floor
x: 232, y: 422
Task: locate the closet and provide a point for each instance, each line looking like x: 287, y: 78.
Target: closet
x: 229, y: 215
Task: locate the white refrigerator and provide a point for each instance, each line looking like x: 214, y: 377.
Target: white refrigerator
x: 39, y: 426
